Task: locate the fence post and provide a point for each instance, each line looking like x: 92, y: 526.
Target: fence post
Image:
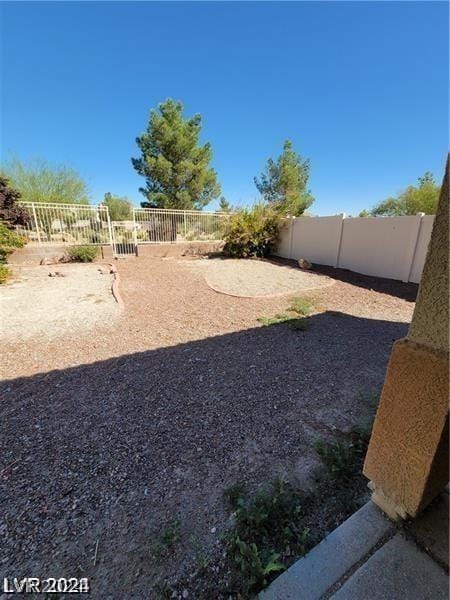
x: 339, y: 246
x: 413, y: 248
x: 185, y: 224
x: 36, y: 223
x: 291, y: 234
x: 111, y: 239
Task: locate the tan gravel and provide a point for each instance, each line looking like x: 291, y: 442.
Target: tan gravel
x: 257, y: 278
x: 35, y: 305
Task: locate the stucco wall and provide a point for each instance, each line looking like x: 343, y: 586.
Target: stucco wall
x: 430, y: 320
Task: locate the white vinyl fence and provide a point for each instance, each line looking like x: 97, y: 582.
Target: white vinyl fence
x: 391, y: 247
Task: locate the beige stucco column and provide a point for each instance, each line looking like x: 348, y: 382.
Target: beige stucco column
x: 407, y: 460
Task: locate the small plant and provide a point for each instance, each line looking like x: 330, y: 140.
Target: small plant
x: 280, y: 318
x: 301, y: 306
x: 201, y: 557
x: 234, y: 495
x: 5, y: 273
x: 9, y: 240
x: 82, y: 253
x: 268, y: 528
x: 343, y: 459
x: 168, y: 538
x: 255, y: 565
x: 338, y: 457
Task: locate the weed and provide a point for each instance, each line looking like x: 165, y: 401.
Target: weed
x: 301, y: 306
x: 82, y: 253
x: 267, y: 529
x: 5, y: 273
x: 235, y: 494
x: 339, y: 458
x: 201, y: 557
x: 254, y: 564
x: 343, y: 459
x: 168, y: 538
x: 280, y: 318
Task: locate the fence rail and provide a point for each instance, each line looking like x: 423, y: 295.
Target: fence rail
x: 72, y: 224
x: 65, y: 224
x: 156, y: 225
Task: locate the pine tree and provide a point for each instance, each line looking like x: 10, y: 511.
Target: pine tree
x: 174, y: 164
x: 224, y: 205
x: 283, y: 184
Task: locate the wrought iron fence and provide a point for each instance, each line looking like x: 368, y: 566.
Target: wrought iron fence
x: 158, y: 225
x: 76, y: 224
x: 65, y: 224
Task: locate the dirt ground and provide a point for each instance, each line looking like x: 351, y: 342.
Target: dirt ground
x: 111, y: 433
x: 35, y: 305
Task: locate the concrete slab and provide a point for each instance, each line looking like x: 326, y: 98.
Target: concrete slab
x: 310, y: 577
x: 398, y: 570
x: 431, y: 529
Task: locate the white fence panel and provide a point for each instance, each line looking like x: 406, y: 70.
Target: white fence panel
x: 383, y: 247
x: 317, y: 239
x: 391, y: 247
x: 421, y: 248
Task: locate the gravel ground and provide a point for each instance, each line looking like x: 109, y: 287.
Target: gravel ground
x: 108, y: 436
x: 256, y: 278
x: 35, y: 305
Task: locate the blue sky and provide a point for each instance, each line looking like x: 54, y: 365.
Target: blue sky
x: 359, y: 87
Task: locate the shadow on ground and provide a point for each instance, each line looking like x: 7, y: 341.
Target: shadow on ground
x: 106, y: 454
x: 392, y: 287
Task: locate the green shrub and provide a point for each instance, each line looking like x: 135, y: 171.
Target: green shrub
x: 252, y: 232
x: 82, y: 253
x: 5, y: 273
x: 9, y: 240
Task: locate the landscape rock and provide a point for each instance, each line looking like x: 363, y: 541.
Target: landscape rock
x: 304, y: 264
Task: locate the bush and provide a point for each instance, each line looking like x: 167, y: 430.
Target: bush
x: 5, y: 273
x: 252, y: 232
x: 82, y: 253
x: 9, y: 240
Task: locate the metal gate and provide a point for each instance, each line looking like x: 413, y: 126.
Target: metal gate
x: 124, y: 238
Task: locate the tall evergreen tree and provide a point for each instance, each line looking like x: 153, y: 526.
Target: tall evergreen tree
x: 284, y: 182
x: 174, y: 164
x: 224, y: 205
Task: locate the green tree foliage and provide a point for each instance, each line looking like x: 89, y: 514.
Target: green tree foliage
x: 38, y: 181
x: 423, y: 197
x: 224, y: 205
x: 11, y: 213
x: 174, y: 164
x: 119, y: 208
x: 284, y: 182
